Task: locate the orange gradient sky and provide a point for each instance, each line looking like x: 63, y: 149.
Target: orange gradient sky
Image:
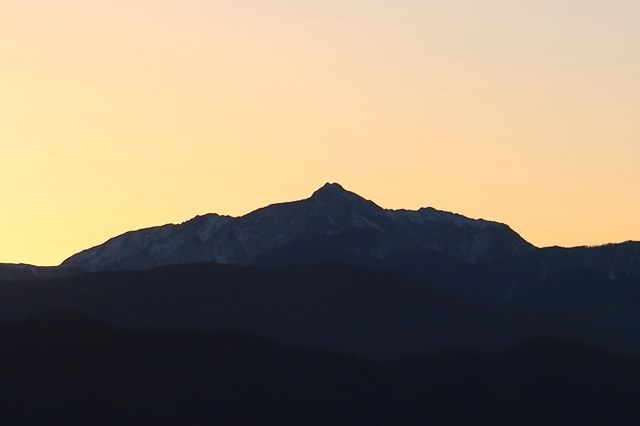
x: 122, y: 114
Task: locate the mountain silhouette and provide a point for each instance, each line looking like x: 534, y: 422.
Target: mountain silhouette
x: 363, y: 229
x: 479, y: 258
x: 328, y: 310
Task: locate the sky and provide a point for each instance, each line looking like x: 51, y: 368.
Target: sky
x: 124, y: 114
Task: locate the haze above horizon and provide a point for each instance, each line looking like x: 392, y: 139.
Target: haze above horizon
x: 122, y: 115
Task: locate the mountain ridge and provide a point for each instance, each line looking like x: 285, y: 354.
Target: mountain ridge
x: 481, y: 258
x: 331, y: 210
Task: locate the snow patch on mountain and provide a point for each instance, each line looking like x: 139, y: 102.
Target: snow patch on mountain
x: 331, y: 211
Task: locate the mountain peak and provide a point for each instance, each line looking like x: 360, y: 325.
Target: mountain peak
x: 334, y: 192
x: 331, y: 187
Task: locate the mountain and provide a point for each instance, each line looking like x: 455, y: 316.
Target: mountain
x: 482, y: 259
x: 325, y: 310
x: 479, y: 258
x: 344, y: 223
x: 329, y: 310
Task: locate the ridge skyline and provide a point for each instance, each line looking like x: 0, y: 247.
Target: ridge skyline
x: 331, y: 192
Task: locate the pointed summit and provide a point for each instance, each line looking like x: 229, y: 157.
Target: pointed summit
x: 344, y: 207
x: 330, y: 188
x: 332, y: 193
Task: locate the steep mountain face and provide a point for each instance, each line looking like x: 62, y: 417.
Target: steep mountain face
x: 364, y: 230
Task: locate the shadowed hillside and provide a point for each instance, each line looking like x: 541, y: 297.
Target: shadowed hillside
x: 66, y: 368
x: 365, y: 311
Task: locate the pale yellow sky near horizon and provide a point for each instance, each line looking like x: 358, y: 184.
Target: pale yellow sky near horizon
x: 126, y: 114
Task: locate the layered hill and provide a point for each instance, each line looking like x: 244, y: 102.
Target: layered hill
x: 66, y: 368
x: 363, y: 311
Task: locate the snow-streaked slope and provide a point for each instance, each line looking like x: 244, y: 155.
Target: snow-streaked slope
x: 330, y: 211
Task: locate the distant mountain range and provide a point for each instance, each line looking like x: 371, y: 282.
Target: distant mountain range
x: 363, y: 228
x: 329, y: 310
x: 484, y: 259
x: 450, y: 281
